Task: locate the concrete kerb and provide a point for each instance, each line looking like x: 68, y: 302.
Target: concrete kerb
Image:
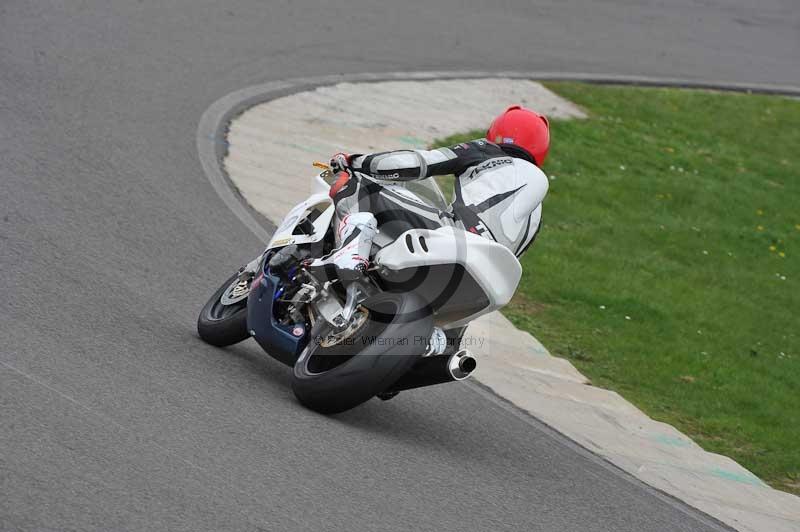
x: 528, y: 388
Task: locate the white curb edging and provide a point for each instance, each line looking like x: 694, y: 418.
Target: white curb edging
x: 513, y: 364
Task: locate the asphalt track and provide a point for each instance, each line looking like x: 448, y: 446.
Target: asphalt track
x: 113, y: 415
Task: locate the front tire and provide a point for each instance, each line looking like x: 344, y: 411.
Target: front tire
x: 333, y: 379
x: 220, y: 324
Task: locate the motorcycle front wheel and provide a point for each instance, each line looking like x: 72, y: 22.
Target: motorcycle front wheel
x: 333, y: 377
x: 223, y: 319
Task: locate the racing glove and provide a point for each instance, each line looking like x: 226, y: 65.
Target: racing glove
x: 340, y: 162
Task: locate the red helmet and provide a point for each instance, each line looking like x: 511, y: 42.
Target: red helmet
x: 522, y: 129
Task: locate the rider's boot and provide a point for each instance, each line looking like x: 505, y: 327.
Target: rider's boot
x: 354, y: 236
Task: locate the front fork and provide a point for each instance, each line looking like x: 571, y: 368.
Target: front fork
x: 251, y: 268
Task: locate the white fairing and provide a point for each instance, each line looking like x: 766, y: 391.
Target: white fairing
x: 318, y: 201
x: 493, y: 266
x: 319, y: 185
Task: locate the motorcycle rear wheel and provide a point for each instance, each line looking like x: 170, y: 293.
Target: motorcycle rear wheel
x: 336, y: 378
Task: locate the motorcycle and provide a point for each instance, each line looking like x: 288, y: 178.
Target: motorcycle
x: 397, y: 328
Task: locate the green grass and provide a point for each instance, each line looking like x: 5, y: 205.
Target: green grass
x: 668, y: 267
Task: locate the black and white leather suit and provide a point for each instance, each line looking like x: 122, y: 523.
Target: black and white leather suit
x: 497, y: 196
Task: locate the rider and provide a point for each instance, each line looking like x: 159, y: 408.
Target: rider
x: 499, y: 189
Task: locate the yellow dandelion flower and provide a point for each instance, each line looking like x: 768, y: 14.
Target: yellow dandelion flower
x: 760, y: 212
x: 760, y: 228
x: 772, y: 248
x: 782, y: 254
x: 797, y: 226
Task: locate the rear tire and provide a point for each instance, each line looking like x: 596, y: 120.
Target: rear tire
x: 222, y: 325
x: 333, y: 379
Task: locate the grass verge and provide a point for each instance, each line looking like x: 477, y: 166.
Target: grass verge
x: 667, y: 268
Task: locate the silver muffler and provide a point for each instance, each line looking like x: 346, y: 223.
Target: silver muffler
x: 461, y: 365
x: 437, y: 369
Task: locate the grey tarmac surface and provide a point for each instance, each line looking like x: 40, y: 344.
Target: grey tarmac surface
x: 114, y: 416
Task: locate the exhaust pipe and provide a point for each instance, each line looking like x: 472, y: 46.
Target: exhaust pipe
x: 461, y: 365
x: 436, y: 369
